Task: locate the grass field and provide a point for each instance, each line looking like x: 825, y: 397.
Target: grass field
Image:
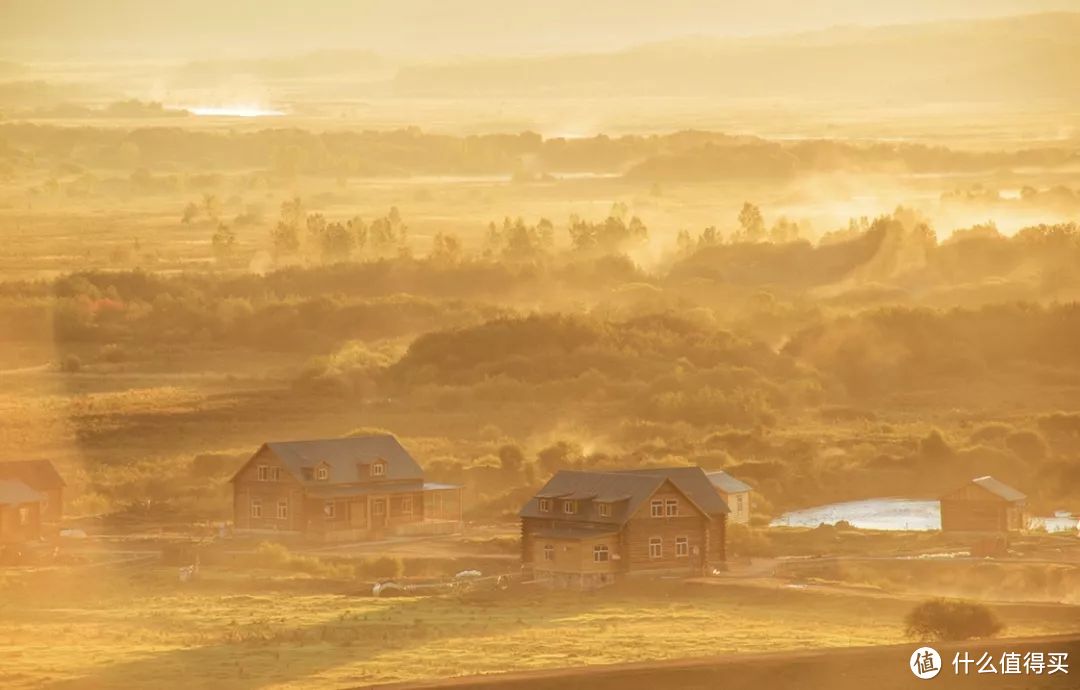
x: 119, y: 631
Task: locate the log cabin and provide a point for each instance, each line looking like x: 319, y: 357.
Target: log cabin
x: 589, y: 529
x: 20, y: 512
x: 42, y: 477
x: 983, y: 505
x: 339, y: 489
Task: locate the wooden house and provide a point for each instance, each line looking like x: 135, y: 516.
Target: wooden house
x: 20, y: 512
x: 363, y: 487
x: 587, y: 529
x: 42, y: 477
x: 736, y: 495
x: 983, y: 505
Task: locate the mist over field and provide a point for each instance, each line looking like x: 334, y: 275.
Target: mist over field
x: 832, y: 250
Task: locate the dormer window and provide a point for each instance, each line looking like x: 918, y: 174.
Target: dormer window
x: 604, y: 509
x: 378, y: 469
x: 322, y: 473
x: 545, y: 505
x: 569, y: 507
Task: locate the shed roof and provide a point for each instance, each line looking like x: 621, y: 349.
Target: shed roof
x: 999, y: 489
x: 343, y: 457
x: 726, y: 483
x: 992, y: 486
x: 39, y: 475
x: 13, y: 492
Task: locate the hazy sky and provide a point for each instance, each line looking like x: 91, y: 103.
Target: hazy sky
x: 413, y: 28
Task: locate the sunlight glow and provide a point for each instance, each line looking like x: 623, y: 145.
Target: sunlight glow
x: 234, y: 111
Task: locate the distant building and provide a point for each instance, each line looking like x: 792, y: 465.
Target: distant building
x: 42, y: 477
x: 587, y: 529
x: 364, y: 487
x: 735, y: 493
x: 20, y: 512
x: 983, y: 505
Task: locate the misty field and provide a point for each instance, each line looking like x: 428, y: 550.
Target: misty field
x: 246, y: 631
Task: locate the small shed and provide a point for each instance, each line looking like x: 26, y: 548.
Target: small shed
x: 20, y: 512
x: 42, y: 477
x: 735, y: 493
x: 983, y: 505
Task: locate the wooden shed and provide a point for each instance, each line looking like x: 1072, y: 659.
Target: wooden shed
x: 20, y: 512
x: 983, y: 505
x: 42, y: 477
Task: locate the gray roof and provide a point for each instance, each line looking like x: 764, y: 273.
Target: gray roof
x: 999, y: 489
x: 624, y: 490
x: 693, y: 482
x: 14, y: 492
x: 726, y: 483
x: 37, y: 474
x: 344, y: 458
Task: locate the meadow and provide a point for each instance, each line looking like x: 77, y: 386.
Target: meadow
x: 231, y: 630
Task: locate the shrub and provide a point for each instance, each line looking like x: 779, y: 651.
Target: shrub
x: 944, y: 619
x: 70, y: 364
x: 385, y: 566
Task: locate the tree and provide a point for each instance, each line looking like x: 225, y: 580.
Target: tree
x: 223, y: 242
x: 292, y: 211
x: 784, y: 230
x: 359, y: 230
x: 751, y: 224
x: 316, y: 224
x: 285, y: 239
x: 191, y: 212
x: 446, y: 248
x: 336, y: 242
x: 211, y: 206
x: 285, y: 236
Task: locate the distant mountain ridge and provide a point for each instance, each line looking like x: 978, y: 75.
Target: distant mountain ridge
x: 1022, y: 57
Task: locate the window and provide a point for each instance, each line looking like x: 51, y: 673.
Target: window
x: 657, y: 508
x: 264, y: 473
x: 24, y: 515
x: 378, y: 506
x: 671, y: 507
x: 256, y: 508
x: 682, y: 547
x: 329, y: 509
x: 322, y: 474
x: 604, y: 509
x: 569, y: 507
x: 549, y: 552
x: 378, y: 469
x: 600, y: 553
x: 545, y: 505
x: 283, y: 510
x: 739, y: 503
x: 275, y: 474
x: 656, y: 547
x: 406, y: 505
